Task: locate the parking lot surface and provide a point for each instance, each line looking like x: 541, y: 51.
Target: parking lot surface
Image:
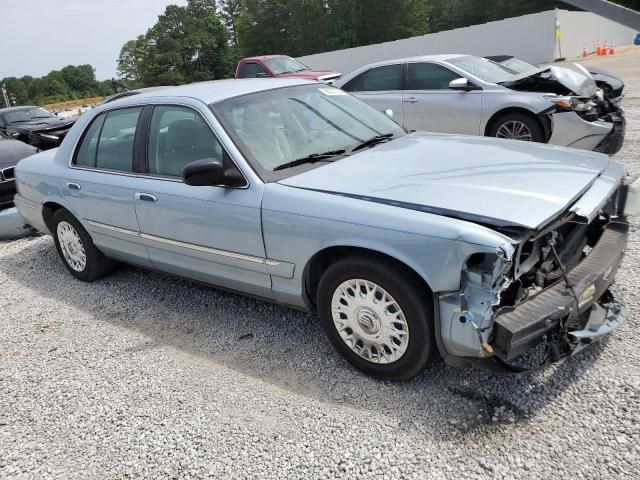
x: 143, y: 375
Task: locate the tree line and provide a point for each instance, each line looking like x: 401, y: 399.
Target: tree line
x: 70, y: 83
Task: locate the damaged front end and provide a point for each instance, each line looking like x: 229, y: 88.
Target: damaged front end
x: 582, y: 114
x: 547, y: 293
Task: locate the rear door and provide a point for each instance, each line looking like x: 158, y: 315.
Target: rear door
x: 380, y: 87
x: 100, y: 185
x: 429, y: 104
x: 212, y: 234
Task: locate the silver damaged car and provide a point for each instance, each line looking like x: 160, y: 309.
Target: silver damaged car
x: 475, y: 96
x: 407, y: 245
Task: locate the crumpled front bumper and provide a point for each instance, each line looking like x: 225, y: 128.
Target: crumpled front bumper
x: 612, y: 143
x: 564, y: 321
x: 570, y: 130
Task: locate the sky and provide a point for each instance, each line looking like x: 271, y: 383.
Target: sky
x: 37, y: 36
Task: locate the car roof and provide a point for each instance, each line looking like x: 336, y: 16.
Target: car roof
x: 218, y: 90
x: 264, y: 57
x: 422, y: 58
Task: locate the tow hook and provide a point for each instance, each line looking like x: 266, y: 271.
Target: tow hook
x: 558, y: 346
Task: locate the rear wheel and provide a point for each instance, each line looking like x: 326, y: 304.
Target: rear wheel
x: 518, y: 126
x: 76, y: 249
x: 377, y: 316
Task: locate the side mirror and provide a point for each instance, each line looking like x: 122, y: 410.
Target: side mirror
x: 461, y: 84
x: 389, y: 113
x: 203, y: 173
x: 262, y: 75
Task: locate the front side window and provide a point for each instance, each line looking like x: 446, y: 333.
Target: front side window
x: 252, y: 70
x: 178, y: 136
x: 108, y: 141
x: 275, y: 127
x: 388, y: 77
x: 429, y: 76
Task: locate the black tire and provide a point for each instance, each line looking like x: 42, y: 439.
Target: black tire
x: 413, y: 298
x: 533, y: 124
x: 96, y: 265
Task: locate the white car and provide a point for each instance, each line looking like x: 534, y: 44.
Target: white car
x: 475, y: 96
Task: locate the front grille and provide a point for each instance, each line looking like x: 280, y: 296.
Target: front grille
x: 7, y: 174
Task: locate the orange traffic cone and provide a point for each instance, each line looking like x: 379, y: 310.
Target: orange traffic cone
x: 599, y: 50
x: 612, y: 50
x: 584, y: 51
x: 604, y: 49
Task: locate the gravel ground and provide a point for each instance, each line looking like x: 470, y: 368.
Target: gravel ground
x: 148, y: 376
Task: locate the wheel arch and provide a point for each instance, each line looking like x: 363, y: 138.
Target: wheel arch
x: 321, y: 260
x: 49, y: 208
x: 543, y: 120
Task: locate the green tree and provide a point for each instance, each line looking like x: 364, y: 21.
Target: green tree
x: 230, y: 12
x: 186, y: 44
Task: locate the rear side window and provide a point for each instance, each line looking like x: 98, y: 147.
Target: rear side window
x: 86, y: 154
x: 252, y: 70
x: 388, y: 77
x: 429, y: 76
x: 108, y: 142
x: 177, y: 136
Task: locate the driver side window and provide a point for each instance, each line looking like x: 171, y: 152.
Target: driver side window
x: 429, y: 76
x: 178, y: 136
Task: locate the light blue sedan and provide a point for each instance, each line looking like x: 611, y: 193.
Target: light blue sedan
x: 408, y: 245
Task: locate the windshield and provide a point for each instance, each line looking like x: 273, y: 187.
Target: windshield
x: 25, y: 115
x: 517, y: 65
x: 483, y: 69
x: 282, y: 65
x: 276, y: 127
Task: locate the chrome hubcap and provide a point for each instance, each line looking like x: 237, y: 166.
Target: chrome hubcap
x: 370, y: 321
x: 514, y: 130
x: 71, y: 246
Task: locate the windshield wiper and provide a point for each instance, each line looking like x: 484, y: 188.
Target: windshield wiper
x: 19, y: 121
x: 42, y: 116
x: 313, y: 158
x: 373, y: 141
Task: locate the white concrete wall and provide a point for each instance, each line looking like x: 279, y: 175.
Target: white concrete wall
x: 530, y: 37
x: 586, y: 28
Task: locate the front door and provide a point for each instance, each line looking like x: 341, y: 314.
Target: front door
x: 430, y: 105
x: 212, y: 234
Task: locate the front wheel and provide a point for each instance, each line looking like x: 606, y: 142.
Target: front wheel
x: 378, y: 317
x: 518, y: 126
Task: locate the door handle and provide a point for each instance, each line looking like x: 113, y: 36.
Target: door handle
x: 146, y: 197
x: 411, y: 100
x: 73, y: 186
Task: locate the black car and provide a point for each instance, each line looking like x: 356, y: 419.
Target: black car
x: 11, y: 151
x: 612, y: 86
x: 34, y: 125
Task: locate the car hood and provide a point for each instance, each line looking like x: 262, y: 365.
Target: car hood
x: 488, y: 181
x: 13, y: 150
x: 42, y: 124
x: 573, y: 76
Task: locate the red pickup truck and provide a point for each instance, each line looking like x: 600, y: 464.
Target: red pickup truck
x: 281, y: 66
